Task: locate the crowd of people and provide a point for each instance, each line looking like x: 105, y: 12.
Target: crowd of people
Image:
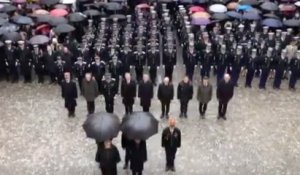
x: 103, y: 49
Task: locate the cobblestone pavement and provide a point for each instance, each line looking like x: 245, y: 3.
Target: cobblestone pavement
x: 261, y: 135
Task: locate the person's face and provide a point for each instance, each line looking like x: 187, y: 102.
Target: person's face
x: 186, y: 80
x: 67, y: 76
x: 127, y: 77
x: 107, y: 144
x: 88, y: 77
x: 166, y: 81
x: 227, y: 78
x: 282, y: 55
x: 145, y: 78
x: 205, y: 82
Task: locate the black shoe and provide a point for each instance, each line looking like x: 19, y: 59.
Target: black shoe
x: 167, y: 168
x: 172, y: 169
x: 185, y: 115
x: 125, y: 166
x: 219, y: 117
x: 162, y: 116
x: 224, y: 117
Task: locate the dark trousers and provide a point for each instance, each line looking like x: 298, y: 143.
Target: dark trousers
x: 169, y: 71
x: 170, y: 156
x: 128, y: 108
x: 205, y: 71
x: 127, y: 156
x: 109, y: 170
x: 90, y: 107
x: 165, y: 107
x: 222, y: 109
x: 293, y: 80
x: 109, y: 105
x: 52, y: 77
x: 183, y: 106
x: 249, y: 77
x: 139, y: 72
x: 40, y: 78
x: 15, y: 74
x: 153, y: 73
x: 263, y: 78
x: 220, y: 73
x: 189, y: 71
x: 71, y: 110
x: 80, y: 78
x: 137, y: 172
x: 202, y: 108
x: 146, y: 108
x: 278, y: 78
x: 27, y: 76
x: 235, y: 75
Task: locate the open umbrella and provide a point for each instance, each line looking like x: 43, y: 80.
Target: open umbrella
x: 271, y: 22
x: 4, y: 15
x: 3, y: 21
x: 63, y: 28
x: 101, y: 126
x: 58, y: 12
x: 195, y: 9
x: 269, y: 6
x: 33, y: 6
x: 13, y: 36
x: 38, y: 40
x: 200, y: 1
x: 200, y: 21
x: 244, y: 7
x: 55, y: 21
x: 40, y: 12
x: 113, y: 6
x: 220, y: 16
x: 251, y: 16
x: 91, y: 12
x: 8, y: 27
x: 19, y: 1
x: 292, y: 23
x: 143, y: 6
x: 8, y: 8
x: 118, y: 16
x: 287, y: 7
x: 44, y: 28
x: 68, y: 1
x: 200, y: 15
x: 186, y: 1
x: 22, y: 20
x: 139, y: 125
x: 271, y: 15
x: 218, y: 8
x: 43, y: 18
x: 76, y: 17
x: 61, y: 6
x: 234, y: 14
x: 249, y: 2
x: 49, y: 2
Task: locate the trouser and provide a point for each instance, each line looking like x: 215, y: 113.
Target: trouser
x: 52, y: 77
x: 139, y: 72
x: 153, y: 73
x: 90, y: 107
x: 263, y: 78
x: 235, y: 75
x: 169, y: 71
x: 202, y: 108
x: 137, y: 172
x: 127, y: 156
x: 71, y: 110
x: 15, y: 74
x: 165, y: 107
x: 189, y: 71
x: 278, y: 78
x: 98, y: 79
x: 257, y: 72
x: 183, y: 106
x: 146, y: 108
x: 205, y: 71
x: 27, y: 76
x: 109, y: 170
x: 293, y: 80
x: 222, y: 109
x: 40, y: 76
x: 80, y: 78
x: 109, y: 105
x: 220, y: 73
x: 249, y: 77
x: 128, y: 108
x: 170, y: 156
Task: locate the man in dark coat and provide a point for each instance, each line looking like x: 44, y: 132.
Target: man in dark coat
x: 38, y: 60
x: 280, y: 69
x: 295, y: 71
x: 98, y: 70
x: 116, y: 69
x: 128, y: 92
x: 138, y: 156
x: 171, y: 140
x: 184, y: 95
x: 169, y: 61
x: 90, y: 92
x: 222, y: 63
x: 190, y: 61
x: 109, y: 90
x: 80, y: 68
x: 251, y: 65
x: 11, y: 61
x: 24, y: 56
x: 69, y: 93
x: 153, y: 61
x: 145, y: 92
x: 165, y: 94
x: 50, y: 63
x: 125, y: 142
x: 225, y: 92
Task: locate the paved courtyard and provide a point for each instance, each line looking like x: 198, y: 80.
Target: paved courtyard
x: 261, y: 135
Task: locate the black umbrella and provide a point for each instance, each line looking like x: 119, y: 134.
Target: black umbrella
x: 234, y: 14
x: 76, y: 17
x: 13, y: 36
x: 49, y: 2
x: 165, y: 1
x: 4, y: 15
x: 32, y: 6
x: 63, y: 28
x: 269, y: 6
x: 102, y: 126
x: 272, y: 23
x: 8, y: 8
x: 39, y: 39
x: 249, y: 2
x: 139, y: 125
x: 43, y: 18
x: 251, y: 16
x: 200, y: 1
x: 186, y: 1
x: 22, y: 20
x: 91, y: 12
x: 271, y: 15
x: 8, y: 27
x: 118, y: 16
x: 220, y: 16
x: 3, y: 21
x: 55, y: 21
x: 292, y: 23
x: 113, y: 6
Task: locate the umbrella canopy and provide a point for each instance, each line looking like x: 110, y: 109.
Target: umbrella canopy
x: 220, y: 16
x: 43, y: 18
x: 195, y: 9
x: 22, y: 20
x: 139, y: 125
x: 40, y: 12
x: 200, y: 15
x: 251, y: 16
x: 200, y: 21
x: 200, y: 1
x: 271, y: 22
x: 232, y: 5
x: 3, y: 21
x: 58, y: 12
x: 61, y: 6
x: 67, y: 1
x: 13, y: 36
x: 4, y: 15
x: 19, y: 1
x: 165, y: 1
x: 118, y: 16
x: 102, y: 126
x: 113, y: 6
x: 76, y: 17
x: 218, y: 8
x: 91, y: 12
x: 186, y: 1
x: 49, y: 2
x: 55, y: 21
x: 63, y: 28
x: 8, y: 27
x: 143, y: 6
x: 292, y: 23
x: 287, y: 7
x: 44, y: 28
x: 244, y: 8
x: 249, y: 2
x: 39, y: 39
x: 297, y: 3
x: 269, y: 6
x: 234, y: 14
x: 33, y: 6
x: 8, y: 8
x: 271, y: 15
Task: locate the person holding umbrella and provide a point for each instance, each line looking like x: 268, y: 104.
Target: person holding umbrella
x: 171, y: 140
x: 69, y: 93
x: 128, y: 92
x: 165, y: 94
x: 90, y: 92
x: 138, y: 156
x: 108, y: 156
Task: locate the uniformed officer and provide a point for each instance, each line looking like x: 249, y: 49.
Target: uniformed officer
x: 251, y: 67
x: 109, y: 90
x: 280, y: 69
x: 59, y: 69
x: 98, y: 70
x: 206, y: 61
x: 11, y: 62
x: 126, y: 57
x: 128, y: 92
x: 237, y: 65
x: 265, y: 66
x: 190, y: 61
x: 295, y: 70
x: 222, y: 63
x: 169, y: 61
x: 24, y: 56
x: 116, y: 70
x: 153, y: 62
x: 80, y: 68
x: 38, y: 60
x: 140, y: 61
